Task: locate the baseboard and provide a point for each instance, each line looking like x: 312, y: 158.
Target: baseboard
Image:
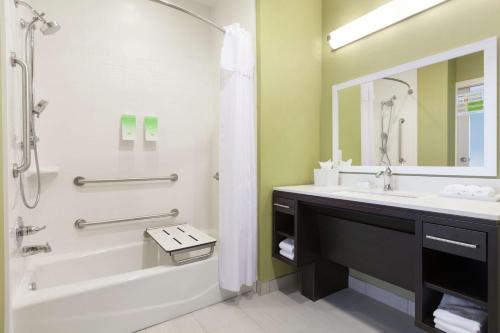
x: 287, y: 282
x: 383, y: 296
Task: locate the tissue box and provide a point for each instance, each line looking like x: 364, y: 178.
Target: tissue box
x: 326, y: 177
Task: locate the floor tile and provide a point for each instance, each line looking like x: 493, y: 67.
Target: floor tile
x: 184, y: 324
x: 242, y: 325
x: 219, y: 316
x: 290, y: 312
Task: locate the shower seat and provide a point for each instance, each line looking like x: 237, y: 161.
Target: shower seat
x: 182, y: 239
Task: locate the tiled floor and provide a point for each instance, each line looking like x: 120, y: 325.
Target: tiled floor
x: 343, y: 312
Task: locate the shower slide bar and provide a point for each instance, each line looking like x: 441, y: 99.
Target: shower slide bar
x: 81, y: 223
x: 80, y: 181
x: 26, y: 160
x: 400, y: 142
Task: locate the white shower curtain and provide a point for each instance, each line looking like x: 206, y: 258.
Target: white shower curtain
x: 237, y: 162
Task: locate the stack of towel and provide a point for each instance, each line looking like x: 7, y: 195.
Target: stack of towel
x: 287, y: 248
x: 470, y: 191
x: 455, y: 315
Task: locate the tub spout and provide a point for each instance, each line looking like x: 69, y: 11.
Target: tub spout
x: 35, y: 249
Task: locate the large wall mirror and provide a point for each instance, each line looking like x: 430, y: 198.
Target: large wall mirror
x: 437, y: 115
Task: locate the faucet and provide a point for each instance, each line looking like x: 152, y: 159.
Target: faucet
x: 35, y: 249
x: 387, y: 173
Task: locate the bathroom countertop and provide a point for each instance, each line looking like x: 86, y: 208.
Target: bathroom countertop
x: 431, y: 202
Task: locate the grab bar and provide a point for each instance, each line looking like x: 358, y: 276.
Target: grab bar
x: 26, y: 161
x: 81, y: 223
x: 400, y: 148
x: 80, y: 181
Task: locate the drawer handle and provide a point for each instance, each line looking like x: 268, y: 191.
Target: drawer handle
x: 449, y: 241
x: 282, y: 206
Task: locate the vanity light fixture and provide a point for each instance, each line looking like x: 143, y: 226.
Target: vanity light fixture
x: 378, y: 19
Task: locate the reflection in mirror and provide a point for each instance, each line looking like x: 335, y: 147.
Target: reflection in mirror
x: 428, y: 116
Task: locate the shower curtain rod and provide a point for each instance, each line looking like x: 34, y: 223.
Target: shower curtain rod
x: 185, y: 11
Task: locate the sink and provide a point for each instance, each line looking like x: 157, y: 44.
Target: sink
x: 378, y: 192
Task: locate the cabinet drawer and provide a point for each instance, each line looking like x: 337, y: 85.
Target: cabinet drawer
x: 460, y: 242
x: 284, y: 205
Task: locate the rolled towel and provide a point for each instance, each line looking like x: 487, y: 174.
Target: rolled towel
x: 287, y: 245
x: 445, y: 327
x: 287, y: 254
x: 454, y: 189
x: 461, y: 313
x: 485, y: 191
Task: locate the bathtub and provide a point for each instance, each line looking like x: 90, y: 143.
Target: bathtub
x: 122, y: 289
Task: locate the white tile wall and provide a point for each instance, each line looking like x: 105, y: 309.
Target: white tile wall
x: 394, y: 301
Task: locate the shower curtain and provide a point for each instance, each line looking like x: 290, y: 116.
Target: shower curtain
x: 237, y: 162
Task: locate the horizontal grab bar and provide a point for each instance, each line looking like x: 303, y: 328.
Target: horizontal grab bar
x: 80, y: 181
x: 81, y: 223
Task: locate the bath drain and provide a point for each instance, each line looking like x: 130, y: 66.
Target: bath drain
x: 32, y: 286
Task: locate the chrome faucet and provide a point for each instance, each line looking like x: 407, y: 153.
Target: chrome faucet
x: 387, y: 173
x: 35, y: 249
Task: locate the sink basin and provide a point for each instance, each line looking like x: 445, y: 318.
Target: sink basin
x: 378, y: 192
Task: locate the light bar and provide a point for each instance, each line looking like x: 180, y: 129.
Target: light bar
x: 378, y: 19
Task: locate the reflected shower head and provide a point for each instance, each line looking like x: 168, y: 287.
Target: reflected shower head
x: 50, y: 27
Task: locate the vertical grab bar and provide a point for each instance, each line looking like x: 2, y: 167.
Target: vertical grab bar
x: 26, y: 161
x: 400, y: 143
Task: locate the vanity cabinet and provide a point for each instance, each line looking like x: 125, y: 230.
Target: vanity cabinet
x: 428, y: 253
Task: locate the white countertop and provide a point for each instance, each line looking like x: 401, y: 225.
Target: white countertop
x: 425, y: 202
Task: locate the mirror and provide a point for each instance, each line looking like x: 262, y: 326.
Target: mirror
x: 433, y: 116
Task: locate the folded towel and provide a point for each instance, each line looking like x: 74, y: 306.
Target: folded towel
x: 445, y: 327
x: 288, y: 245
x: 287, y: 254
x: 461, y: 313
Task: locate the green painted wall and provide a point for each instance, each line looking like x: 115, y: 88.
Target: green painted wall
x: 470, y: 66
x: 289, y: 42
x: 435, y: 145
x: 350, y: 123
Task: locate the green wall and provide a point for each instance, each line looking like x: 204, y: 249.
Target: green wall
x: 289, y: 91
x: 436, y: 115
x: 350, y: 123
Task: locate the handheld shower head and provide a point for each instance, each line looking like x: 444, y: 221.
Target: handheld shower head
x: 50, y: 27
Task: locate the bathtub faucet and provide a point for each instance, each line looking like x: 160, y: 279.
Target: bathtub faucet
x: 35, y: 249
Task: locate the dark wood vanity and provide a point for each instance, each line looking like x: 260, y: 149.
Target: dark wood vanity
x: 424, y: 252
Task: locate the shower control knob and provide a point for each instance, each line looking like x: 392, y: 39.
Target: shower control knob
x: 29, y: 230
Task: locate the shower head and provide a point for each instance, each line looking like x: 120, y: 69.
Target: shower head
x: 50, y: 27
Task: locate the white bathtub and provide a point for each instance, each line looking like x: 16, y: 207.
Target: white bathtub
x: 121, y: 289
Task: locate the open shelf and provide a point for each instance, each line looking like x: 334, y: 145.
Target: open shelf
x: 458, y: 293
x: 285, y: 234
x: 455, y: 275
